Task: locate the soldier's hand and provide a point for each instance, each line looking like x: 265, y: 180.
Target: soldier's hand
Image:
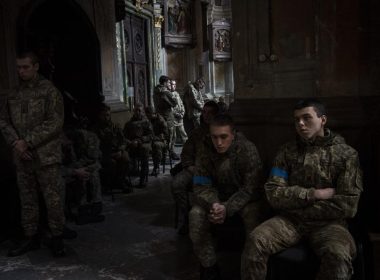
x: 217, y: 213
x: 116, y: 155
x: 82, y: 173
x: 27, y: 155
x: 323, y: 194
x: 191, y: 169
x: 20, y: 146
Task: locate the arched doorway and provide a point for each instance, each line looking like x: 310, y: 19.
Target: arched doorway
x: 65, y: 39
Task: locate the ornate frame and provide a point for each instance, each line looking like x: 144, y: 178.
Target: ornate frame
x: 220, y: 40
x: 178, y: 23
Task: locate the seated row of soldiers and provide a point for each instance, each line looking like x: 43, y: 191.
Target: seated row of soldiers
x: 104, y: 155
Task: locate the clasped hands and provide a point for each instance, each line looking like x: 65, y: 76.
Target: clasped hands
x: 21, y: 148
x: 217, y: 213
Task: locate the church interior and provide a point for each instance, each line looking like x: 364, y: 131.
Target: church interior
x: 258, y: 56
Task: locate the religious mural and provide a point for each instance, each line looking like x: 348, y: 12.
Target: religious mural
x: 178, y: 23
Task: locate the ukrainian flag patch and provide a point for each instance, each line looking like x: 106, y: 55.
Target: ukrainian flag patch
x: 278, y: 172
x: 202, y: 180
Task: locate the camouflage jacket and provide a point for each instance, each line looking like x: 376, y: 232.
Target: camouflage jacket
x: 233, y: 178
x: 34, y: 113
x: 178, y: 110
x: 111, y: 138
x: 164, y: 101
x: 138, y: 130
x: 301, y: 167
x: 160, y: 128
x: 81, y: 149
x: 193, y: 101
x: 195, y: 145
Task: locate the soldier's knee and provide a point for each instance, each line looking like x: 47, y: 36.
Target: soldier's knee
x: 258, y: 240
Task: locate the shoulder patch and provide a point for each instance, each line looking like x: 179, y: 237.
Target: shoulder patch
x: 278, y: 172
x: 202, y: 180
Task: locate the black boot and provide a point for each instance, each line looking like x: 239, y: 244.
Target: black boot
x: 29, y: 244
x: 174, y: 156
x: 183, y: 223
x: 85, y: 216
x: 57, y: 247
x: 68, y: 233
x: 210, y: 273
x: 96, y: 208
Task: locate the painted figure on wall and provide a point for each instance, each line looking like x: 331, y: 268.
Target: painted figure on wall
x: 178, y: 17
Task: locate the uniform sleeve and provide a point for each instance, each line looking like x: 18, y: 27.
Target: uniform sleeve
x: 121, y: 141
x: 193, y: 99
x: 148, y: 132
x: 52, y: 125
x: 279, y: 194
x: 94, y: 153
x: 205, y: 193
x: 169, y: 99
x: 9, y: 133
x: 252, y: 188
x: 188, y: 152
x: 344, y: 203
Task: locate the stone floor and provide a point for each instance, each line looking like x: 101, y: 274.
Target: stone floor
x: 136, y: 241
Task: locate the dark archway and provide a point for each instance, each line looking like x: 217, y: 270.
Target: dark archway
x: 66, y: 41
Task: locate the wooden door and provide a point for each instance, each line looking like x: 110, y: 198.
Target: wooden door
x: 137, y: 57
x: 296, y: 48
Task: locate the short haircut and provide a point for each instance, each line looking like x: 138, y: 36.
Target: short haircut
x: 150, y: 110
x: 223, y: 120
x: 212, y: 104
x: 28, y: 54
x: 200, y: 79
x: 318, y: 106
x: 163, y: 79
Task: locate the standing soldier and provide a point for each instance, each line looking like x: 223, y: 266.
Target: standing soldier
x: 164, y: 103
x: 179, y: 112
x: 314, y: 185
x: 194, y: 102
x: 227, y: 182
x: 31, y: 123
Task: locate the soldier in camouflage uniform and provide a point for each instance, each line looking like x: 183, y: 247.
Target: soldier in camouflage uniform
x: 314, y: 185
x: 182, y: 181
x: 139, y: 134
x: 193, y: 101
x: 31, y: 122
x: 160, y: 134
x: 81, y: 165
x: 115, y: 158
x: 227, y: 182
x: 164, y: 102
x: 178, y: 112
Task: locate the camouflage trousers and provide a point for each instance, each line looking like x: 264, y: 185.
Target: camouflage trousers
x: 200, y: 231
x: 332, y: 243
x: 179, y: 132
x: 181, y: 185
x: 158, y: 148
x: 142, y: 153
x: 113, y: 170
x: 31, y: 181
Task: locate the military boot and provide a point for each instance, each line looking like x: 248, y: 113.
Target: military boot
x: 29, y: 244
x: 210, y: 273
x: 57, y: 247
x: 183, y: 222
